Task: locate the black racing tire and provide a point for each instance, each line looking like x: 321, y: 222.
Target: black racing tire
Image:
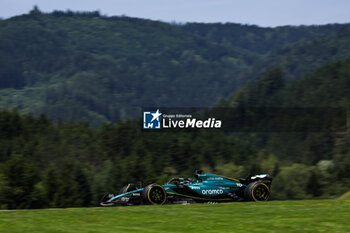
x: 257, y: 191
x: 154, y: 194
x: 127, y: 188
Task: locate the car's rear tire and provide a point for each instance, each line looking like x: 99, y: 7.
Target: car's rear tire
x: 257, y: 191
x: 127, y: 188
x: 154, y: 194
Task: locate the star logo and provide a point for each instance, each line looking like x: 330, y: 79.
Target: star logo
x: 156, y: 115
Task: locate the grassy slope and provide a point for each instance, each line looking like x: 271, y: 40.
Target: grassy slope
x: 276, y: 216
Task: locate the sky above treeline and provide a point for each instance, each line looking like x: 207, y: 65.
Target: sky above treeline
x: 267, y: 13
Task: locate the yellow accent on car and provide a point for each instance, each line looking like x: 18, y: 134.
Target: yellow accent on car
x: 228, y: 178
x: 149, y: 199
x: 255, y: 187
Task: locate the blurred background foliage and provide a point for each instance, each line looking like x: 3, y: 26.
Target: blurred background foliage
x: 72, y: 82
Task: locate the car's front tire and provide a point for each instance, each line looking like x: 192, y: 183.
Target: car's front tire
x: 257, y: 191
x: 154, y: 194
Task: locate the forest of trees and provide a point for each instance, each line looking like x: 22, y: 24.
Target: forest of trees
x: 46, y: 164
x: 82, y: 66
x: 72, y: 85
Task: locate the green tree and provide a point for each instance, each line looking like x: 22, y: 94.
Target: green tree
x: 21, y: 176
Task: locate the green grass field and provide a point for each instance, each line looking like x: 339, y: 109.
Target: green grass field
x: 275, y: 216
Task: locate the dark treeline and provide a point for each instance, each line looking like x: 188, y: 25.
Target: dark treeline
x: 69, y: 164
x: 45, y: 164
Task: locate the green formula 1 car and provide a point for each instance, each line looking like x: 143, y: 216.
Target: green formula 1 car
x: 204, y: 188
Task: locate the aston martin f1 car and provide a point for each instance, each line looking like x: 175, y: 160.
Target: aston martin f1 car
x: 204, y: 188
